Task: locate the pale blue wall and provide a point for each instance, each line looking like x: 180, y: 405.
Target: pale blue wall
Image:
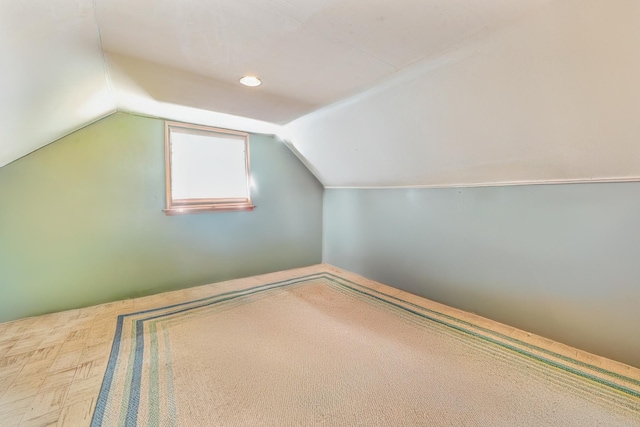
x: 562, y: 261
x: 81, y: 221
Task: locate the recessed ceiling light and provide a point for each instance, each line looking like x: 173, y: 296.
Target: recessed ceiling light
x: 251, y: 81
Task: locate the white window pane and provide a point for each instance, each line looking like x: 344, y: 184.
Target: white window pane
x: 208, y: 167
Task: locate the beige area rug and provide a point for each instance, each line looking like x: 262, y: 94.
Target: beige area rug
x: 324, y: 349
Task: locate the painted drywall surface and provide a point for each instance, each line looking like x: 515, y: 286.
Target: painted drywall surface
x: 158, y: 90
x: 552, y: 97
x: 52, y: 74
x: 560, y: 261
x: 308, y: 53
x: 81, y: 221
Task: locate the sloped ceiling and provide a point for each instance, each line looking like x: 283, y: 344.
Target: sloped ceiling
x: 52, y: 73
x: 66, y: 63
x: 308, y: 53
x: 368, y: 93
x: 553, y: 98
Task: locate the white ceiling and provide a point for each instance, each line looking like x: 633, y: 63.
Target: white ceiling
x: 554, y: 98
x: 308, y: 53
x: 52, y: 76
x: 66, y: 63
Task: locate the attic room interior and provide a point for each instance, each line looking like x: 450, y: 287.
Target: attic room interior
x: 424, y: 212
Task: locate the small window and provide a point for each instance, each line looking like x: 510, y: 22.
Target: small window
x: 207, y: 169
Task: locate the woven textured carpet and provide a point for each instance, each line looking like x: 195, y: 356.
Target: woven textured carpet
x: 326, y: 350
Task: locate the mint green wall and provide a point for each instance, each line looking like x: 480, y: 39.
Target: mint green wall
x: 561, y: 261
x: 81, y: 221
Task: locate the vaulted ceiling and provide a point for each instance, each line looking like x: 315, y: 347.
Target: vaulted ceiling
x: 68, y: 62
x: 360, y: 82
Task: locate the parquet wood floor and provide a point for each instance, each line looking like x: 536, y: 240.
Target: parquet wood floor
x: 52, y: 366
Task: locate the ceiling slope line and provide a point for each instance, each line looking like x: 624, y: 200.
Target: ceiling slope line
x: 451, y: 54
x: 76, y: 129
x: 219, y: 120
x: 489, y: 184
x: 302, y: 159
x: 105, y: 66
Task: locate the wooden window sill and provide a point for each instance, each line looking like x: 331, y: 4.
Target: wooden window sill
x: 182, y: 210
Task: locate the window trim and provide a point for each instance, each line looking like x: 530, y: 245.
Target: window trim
x: 186, y: 206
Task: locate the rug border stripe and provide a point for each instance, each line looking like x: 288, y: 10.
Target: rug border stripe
x: 105, y: 388
x: 506, y: 337
x: 102, y: 400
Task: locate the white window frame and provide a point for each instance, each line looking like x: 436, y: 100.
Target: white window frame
x: 200, y: 205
